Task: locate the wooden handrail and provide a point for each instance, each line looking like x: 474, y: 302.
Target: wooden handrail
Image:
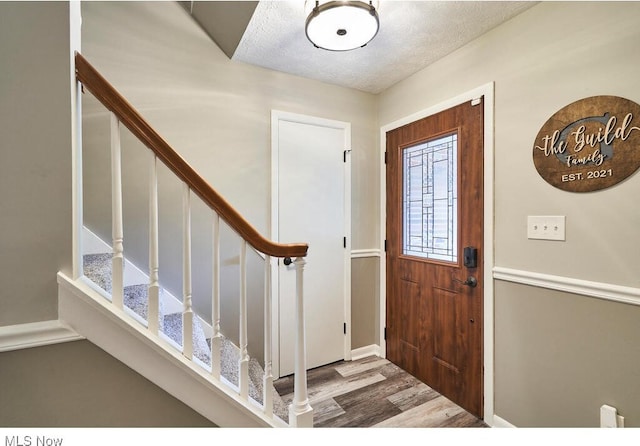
x: 93, y: 81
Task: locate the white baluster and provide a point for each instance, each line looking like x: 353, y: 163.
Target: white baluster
x: 216, y: 339
x: 187, y: 312
x: 300, y: 411
x: 76, y: 183
x: 154, y: 285
x: 117, y: 270
x: 267, y: 386
x: 243, y: 365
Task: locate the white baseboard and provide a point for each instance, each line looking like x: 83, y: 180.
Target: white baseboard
x: 501, y: 422
x: 36, y: 334
x: 363, y: 352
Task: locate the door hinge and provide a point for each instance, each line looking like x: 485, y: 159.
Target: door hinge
x: 345, y: 328
x: 344, y: 155
x: 385, y: 246
x: 385, y: 333
x: 385, y: 157
x: 344, y: 242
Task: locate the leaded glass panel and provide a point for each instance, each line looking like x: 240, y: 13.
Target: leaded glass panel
x: 430, y: 199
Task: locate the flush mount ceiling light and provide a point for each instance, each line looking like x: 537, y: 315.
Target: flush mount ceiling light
x: 342, y: 25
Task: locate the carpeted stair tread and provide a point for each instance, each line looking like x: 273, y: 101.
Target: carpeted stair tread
x: 173, y: 329
x: 97, y: 268
x: 229, y: 368
x: 136, y: 299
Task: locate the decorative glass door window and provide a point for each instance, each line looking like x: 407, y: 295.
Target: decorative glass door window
x: 430, y: 199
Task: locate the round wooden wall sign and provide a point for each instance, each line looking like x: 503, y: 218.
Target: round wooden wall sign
x: 591, y: 144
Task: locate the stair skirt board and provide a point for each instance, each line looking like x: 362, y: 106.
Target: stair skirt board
x: 97, y: 270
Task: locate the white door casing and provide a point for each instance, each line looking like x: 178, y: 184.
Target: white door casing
x: 311, y: 192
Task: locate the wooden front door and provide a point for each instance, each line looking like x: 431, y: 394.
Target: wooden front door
x: 434, y: 252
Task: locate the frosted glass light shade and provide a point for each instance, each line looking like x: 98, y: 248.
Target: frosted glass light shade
x: 342, y: 25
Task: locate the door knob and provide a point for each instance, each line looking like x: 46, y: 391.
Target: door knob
x: 470, y: 282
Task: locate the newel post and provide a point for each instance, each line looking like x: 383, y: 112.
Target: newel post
x: 300, y: 411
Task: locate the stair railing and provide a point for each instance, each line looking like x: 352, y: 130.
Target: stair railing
x: 122, y: 112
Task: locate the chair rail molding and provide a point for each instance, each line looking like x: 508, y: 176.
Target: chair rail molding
x: 36, y: 334
x: 599, y: 290
x: 364, y: 253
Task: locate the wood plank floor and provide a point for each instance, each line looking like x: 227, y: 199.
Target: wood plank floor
x: 373, y: 392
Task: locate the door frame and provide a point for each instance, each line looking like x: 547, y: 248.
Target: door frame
x: 276, y: 117
x: 486, y: 90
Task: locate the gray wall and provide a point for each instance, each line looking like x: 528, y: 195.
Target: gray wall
x: 561, y: 356
x: 35, y: 158
x: 365, y: 302
x: 558, y: 356
x: 76, y: 384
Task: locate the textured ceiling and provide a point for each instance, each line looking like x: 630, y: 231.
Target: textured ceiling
x: 413, y: 34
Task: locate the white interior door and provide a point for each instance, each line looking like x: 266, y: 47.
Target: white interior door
x: 311, y: 205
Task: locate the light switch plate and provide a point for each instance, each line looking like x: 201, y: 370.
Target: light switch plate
x: 546, y: 227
